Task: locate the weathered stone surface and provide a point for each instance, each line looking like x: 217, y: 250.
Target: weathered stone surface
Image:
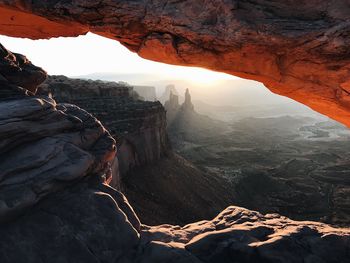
x: 16, y: 69
x: 138, y: 126
x: 241, y: 235
x: 296, y: 48
x: 156, y: 180
x: 80, y: 224
x: 55, y: 161
x: 44, y: 146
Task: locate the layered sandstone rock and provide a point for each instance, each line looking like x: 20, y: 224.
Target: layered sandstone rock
x: 55, y: 163
x: 156, y: 181
x: 296, y: 48
x: 241, y: 235
x: 138, y: 126
x: 16, y: 69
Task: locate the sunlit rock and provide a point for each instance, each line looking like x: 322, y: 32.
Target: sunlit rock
x: 297, y: 49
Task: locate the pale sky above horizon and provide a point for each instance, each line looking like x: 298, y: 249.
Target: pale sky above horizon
x: 92, y: 54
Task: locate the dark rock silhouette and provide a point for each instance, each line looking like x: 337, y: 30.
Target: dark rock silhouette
x: 184, y: 122
x: 187, y: 105
x: 172, y: 105
x: 16, y: 69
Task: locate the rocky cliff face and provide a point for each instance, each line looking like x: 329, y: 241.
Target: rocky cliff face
x: 156, y: 180
x: 56, y: 205
x: 148, y: 93
x: 16, y: 69
x: 138, y: 126
x: 297, y: 48
x: 187, y: 105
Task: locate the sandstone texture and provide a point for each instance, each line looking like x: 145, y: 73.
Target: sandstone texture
x: 296, y: 48
x: 138, y: 126
x: 56, y: 159
x: 241, y: 235
x: 158, y: 183
x: 16, y: 69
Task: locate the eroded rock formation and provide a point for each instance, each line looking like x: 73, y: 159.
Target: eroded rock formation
x: 138, y: 126
x: 296, y: 48
x: 187, y: 105
x: 145, y: 162
x: 55, y: 166
x: 17, y: 70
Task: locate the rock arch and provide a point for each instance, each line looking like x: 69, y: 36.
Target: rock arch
x: 298, y: 49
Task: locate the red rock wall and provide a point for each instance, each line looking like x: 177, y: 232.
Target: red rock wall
x: 296, y: 48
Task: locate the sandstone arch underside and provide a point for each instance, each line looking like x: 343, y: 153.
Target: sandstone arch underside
x: 297, y: 48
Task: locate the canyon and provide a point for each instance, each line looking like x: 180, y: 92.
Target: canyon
x: 293, y: 165
x: 156, y: 180
x: 57, y: 159
x: 139, y: 127
x: 57, y: 205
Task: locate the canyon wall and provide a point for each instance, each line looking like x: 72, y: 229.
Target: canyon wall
x: 156, y: 180
x: 298, y: 49
x: 139, y: 127
x: 56, y: 205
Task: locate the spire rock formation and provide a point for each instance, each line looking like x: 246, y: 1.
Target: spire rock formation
x: 187, y: 105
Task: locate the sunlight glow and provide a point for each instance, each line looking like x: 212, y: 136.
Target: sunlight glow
x: 92, y: 53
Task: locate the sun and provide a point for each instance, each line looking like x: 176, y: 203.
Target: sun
x: 200, y: 76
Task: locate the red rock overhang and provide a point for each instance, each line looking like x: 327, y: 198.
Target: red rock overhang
x: 297, y: 50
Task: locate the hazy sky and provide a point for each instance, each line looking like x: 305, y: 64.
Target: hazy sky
x: 92, y: 53
x: 84, y: 55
